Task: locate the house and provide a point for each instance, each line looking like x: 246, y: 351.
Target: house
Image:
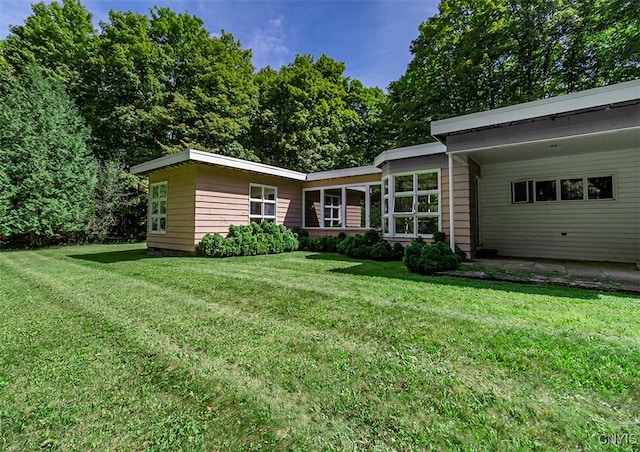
x: 554, y: 178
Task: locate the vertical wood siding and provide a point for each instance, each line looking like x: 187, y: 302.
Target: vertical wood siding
x: 603, y: 230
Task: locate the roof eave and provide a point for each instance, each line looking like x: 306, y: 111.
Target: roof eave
x: 583, y: 100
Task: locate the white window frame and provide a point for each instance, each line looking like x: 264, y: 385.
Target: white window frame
x: 334, y: 207
x: 389, y: 198
x: 343, y: 188
x: 158, y: 200
x: 263, y: 202
x: 531, y: 189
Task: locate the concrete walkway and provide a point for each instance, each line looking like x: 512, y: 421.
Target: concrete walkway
x: 588, y: 275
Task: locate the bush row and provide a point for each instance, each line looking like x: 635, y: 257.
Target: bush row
x: 249, y: 240
x: 367, y: 246
x: 419, y: 256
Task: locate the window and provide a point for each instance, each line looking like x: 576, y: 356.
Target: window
x: 600, y: 187
x: 332, y: 208
x: 411, y: 204
x: 344, y: 206
x: 569, y: 189
x: 158, y: 203
x: 522, y: 191
x: 262, y: 203
x: 546, y: 190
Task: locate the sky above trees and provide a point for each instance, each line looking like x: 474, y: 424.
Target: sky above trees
x: 371, y: 36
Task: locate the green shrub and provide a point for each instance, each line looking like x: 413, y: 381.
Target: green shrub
x: 398, y: 252
x: 371, y: 237
x: 439, y: 236
x: 299, y: 232
x: 427, y: 259
x: 461, y: 254
x: 381, y: 251
x: 342, y: 246
x: 211, y: 245
x: 412, y: 254
x: 249, y: 240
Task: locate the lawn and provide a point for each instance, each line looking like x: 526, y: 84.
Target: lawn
x: 106, y: 347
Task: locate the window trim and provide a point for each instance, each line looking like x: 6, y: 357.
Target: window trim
x: 158, y: 215
x: 332, y: 208
x: 343, y: 187
x: 531, y: 194
x: 263, y: 201
x: 389, y: 200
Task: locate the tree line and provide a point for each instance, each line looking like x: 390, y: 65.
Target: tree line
x: 143, y: 86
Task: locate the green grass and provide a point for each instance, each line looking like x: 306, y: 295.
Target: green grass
x: 105, y: 347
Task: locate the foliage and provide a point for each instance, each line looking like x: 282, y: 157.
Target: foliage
x: 324, y: 244
x: 59, y: 38
x: 312, y: 118
x: 46, y: 169
x: 249, y: 240
x: 119, y: 204
x: 147, y: 85
x: 166, y: 85
x: 427, y: 259
x: 478, y: 55
x: 369, y: 246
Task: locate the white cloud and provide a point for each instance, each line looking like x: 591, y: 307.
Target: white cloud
x: 268, y: 43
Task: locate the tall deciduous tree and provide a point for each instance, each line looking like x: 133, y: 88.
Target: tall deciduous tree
x: 47, y: 173
x: 313, y: 118
x: 164, y: 84
x: 60, y: 38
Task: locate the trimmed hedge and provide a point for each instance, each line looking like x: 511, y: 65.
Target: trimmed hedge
x: 367, y: 246
x: 427, y: 259
x: 249, y: 240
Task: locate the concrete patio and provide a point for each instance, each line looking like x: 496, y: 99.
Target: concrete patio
x: 589, y: 275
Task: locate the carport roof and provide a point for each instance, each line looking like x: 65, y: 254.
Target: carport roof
x: 583, y: 100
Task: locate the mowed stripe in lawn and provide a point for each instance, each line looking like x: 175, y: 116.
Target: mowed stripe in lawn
x: 314, y: 357
x: 157, y: 321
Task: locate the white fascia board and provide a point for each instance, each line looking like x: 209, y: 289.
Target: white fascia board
x: 231, y: 162
x: 418, y: 150
x: 218, y: 160
x: 582, y: 100
x: 346, y: 172
x: 161, y: 162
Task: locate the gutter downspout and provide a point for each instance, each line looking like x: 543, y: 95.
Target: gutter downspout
x: 452, y: 235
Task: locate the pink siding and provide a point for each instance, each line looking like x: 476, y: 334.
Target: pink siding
x: 222, y: 199
x: 180, y: 209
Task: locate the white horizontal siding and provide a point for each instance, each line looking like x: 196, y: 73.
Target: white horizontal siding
x: 605, y: 230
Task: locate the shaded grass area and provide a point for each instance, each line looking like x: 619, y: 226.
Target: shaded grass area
x: 107, y: 347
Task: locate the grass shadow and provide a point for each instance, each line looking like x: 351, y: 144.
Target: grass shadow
x: 397, y: 270
x: 113, y: 257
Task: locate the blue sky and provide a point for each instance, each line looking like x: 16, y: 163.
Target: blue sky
x: 371, y: 36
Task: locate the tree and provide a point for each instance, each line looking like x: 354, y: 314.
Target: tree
x: 313, y: 118
x: 366, y: 137
x: 119, y: 204
x: 60, y: 38
x: 47, y: 173
x: 163, y: 84
x: 476, y: 55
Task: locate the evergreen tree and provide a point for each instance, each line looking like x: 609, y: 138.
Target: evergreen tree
x: 47, y: 173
